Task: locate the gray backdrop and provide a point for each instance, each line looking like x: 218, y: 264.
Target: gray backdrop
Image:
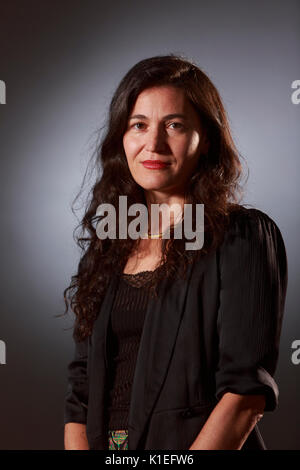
x: 61, y: 62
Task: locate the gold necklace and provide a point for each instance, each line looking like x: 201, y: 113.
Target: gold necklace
x: 156, y: 235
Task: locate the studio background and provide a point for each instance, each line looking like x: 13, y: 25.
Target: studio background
x: 61, y: 62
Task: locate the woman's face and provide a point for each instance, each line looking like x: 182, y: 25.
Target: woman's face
x: 163, y: 126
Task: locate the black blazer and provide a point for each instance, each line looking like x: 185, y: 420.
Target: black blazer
x: 216, y: 331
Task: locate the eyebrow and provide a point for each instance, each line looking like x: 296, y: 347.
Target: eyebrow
x: 168, y: 116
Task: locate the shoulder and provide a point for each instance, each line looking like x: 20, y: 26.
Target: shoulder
x: 251, y: 223
x: 252, y: 234
x: 252, y: 249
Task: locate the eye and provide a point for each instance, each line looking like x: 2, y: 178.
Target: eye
x: 138, y: 124
x: 177, y: 124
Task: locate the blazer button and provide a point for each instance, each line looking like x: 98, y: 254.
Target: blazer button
x: 186, y: 413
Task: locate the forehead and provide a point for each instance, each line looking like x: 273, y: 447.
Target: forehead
x: 162, y: 98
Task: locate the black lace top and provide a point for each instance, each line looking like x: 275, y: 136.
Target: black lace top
x: 125, y: 330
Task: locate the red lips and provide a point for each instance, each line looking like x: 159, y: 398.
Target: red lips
x: 155, y: 164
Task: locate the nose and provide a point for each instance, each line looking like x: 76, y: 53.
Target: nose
x: 155, y: 139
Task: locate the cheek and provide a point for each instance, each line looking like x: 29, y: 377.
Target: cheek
x: 193, y: 144
x: 187, y: 149
x: 130, y: 146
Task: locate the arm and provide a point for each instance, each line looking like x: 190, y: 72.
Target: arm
x: 76, y: 399
x: 253, y: 280
x: 75, y: 437
x: 230, y: 422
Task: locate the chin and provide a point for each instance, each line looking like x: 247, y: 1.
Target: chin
x: 151, y: 186
x: 151, y: 181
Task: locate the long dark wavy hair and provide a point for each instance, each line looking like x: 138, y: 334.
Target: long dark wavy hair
x: 215, y: 183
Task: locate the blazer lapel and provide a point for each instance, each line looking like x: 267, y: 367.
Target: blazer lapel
x: 162, y: 321
x: 96, y: 425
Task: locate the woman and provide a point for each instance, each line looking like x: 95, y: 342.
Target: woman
x: 174, y: 348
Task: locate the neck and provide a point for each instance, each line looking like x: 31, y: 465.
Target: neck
x: 171, y: 210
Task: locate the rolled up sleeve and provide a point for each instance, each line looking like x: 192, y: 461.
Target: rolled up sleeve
x: 253, y: 280
x: 76, y: 397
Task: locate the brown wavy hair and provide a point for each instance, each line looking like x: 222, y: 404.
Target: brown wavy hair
x: 215, y: 183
